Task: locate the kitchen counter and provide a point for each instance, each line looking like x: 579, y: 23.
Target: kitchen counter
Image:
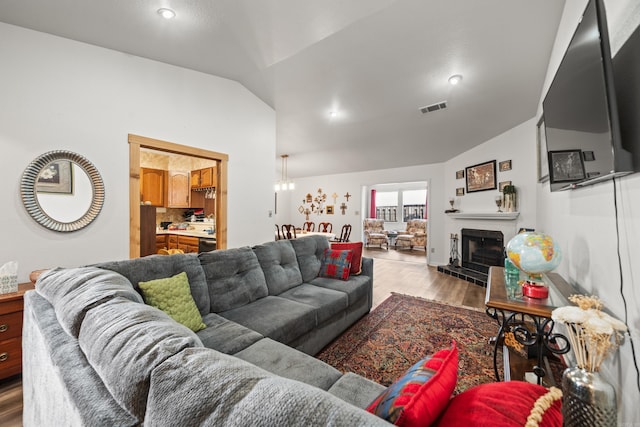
x: 191, y: 233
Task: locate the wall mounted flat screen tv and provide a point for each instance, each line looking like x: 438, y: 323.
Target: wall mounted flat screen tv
x: 580, y: 111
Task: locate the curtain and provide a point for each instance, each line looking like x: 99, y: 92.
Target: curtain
x: 372, y: 210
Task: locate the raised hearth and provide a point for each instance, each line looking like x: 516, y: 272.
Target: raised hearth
x: 467, y: 274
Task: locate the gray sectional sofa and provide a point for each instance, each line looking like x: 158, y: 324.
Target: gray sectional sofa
x: 94, y: 354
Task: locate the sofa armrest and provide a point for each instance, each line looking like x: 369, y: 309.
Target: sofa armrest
x: 367, y: 267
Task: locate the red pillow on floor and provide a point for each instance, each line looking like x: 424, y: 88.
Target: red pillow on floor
x: 418, y: 397
x: 356, y: 247
x: 503, y: 404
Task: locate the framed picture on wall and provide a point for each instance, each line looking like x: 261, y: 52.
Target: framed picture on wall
x: 460, y: 191
x: 481, y: 177
x: 502, y: 185
x: 56, y: 177
x: 329, y: 209
x: 504, y: 166
x: 460, y: 174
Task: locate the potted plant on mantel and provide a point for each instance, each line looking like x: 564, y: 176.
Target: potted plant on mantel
x: 510, y: 196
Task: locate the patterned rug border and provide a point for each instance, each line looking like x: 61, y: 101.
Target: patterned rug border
x: 480, y: 310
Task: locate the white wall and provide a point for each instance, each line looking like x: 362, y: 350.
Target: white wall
x: 61, y: 94
x: 519, y: 146
x: 358, y: 209
x: 584, y: 224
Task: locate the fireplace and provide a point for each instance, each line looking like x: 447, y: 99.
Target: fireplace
x: 481, y: 249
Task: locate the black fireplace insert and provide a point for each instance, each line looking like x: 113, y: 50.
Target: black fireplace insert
x: 481, y: 249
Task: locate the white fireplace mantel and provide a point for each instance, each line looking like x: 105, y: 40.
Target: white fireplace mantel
x: 504, y: 216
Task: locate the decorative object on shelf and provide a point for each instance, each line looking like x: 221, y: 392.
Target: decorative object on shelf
x: 510, y: 198
x: 588, y: 399
x: 460, y: 174
x: 452, y: 202
x: 503, y: 184
x: 588, y: 156
x: 543, y: 162
x: 284, y: 184
x: 534, y: 253
x: 460, y: 191
x: 499, y: 203
x: 481, y: 177
x: 504, y: 166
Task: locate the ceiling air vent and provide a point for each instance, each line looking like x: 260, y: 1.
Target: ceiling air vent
x: 434, y: 107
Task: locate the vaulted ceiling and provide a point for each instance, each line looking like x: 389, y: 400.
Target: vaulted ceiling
x: 374, y: 63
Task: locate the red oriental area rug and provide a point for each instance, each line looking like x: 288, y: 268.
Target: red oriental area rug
x: 403, y: 329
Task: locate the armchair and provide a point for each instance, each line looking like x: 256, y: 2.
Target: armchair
x: 414, y: 235
x: 374, y: 233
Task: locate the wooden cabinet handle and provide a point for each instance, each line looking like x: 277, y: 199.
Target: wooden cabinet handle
x: 4, y: 327
x: 4, y: 356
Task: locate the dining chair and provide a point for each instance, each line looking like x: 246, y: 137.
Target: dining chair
x: 278, y: 235
x: 345, y: 233
x: 309, y: 226
x: 325, y: 227
x: 289, y: 231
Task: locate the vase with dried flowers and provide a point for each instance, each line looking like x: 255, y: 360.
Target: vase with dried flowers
x: 588, y: 400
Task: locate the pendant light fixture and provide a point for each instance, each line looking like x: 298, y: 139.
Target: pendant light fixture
x: 284, y: 184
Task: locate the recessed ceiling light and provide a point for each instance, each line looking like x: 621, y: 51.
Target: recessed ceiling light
x: 455, y: 79
x: 166, y: 13
x: 333, y: 113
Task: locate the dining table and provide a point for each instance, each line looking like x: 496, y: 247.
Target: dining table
x: 302, y: 233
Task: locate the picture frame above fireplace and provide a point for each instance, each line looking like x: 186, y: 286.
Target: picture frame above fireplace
x: 481, y: 177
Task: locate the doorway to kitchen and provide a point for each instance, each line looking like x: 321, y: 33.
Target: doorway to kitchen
x: 136, y: 145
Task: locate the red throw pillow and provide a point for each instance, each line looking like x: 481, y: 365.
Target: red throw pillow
x: 356, y: 247
x: 504, y: 404
x: 336, y: 264
x: 418, y: 397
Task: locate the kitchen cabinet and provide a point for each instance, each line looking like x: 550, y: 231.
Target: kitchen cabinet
x: 153, y: 186
x: 204, y: 178
x: 179, y: 191
x: 11, y: 312
x: 187, y: 243
x: 161, y: 242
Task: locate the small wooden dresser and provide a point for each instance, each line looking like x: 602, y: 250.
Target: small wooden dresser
x: 11, y: 308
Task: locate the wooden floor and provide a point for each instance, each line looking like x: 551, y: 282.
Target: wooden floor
x: 400, y: 271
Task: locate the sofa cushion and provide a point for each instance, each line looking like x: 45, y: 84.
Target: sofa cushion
x: 309, y: 251
x: 234, y: 278
x: 419, y: 396
x: 336, y: 264
x: 356, y: 390
x: 74, y: 291
x: 288, y: 362
x: 327, y: 302
x: 356, y: 247
x: 279, y: 264
x: 172, y: 295
x: 125, y: 349
x: 357, y: 287
x: 160, y: 266
x: 201, y: 387
x: 57, y: 368
x: 275, y: 317
x: 226, y: 336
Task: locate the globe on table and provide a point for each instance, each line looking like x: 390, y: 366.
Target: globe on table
x: 534, y: 253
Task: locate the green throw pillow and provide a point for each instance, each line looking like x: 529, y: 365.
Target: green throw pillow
x: 173, y: 296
